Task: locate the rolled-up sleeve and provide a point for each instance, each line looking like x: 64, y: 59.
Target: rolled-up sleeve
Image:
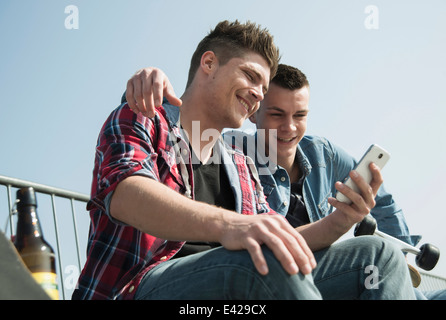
x: 124, y: 148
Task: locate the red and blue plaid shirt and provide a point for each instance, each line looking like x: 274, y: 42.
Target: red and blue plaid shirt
x: 118, y: 255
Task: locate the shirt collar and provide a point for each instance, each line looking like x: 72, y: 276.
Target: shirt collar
x: 172, y: 113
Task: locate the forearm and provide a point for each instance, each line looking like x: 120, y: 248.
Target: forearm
x: 157, y: 210
x: 327, y: 230
x: 324, y: 232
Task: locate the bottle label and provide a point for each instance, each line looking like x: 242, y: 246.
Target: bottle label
x: 48, y: 282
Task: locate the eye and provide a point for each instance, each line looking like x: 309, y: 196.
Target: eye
x: 300, y: 115
x: 249, y: 76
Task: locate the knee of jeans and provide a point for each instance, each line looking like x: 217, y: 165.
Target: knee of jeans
x: 380, y: 247
x: 274, y: 265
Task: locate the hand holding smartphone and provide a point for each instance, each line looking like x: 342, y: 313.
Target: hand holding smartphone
x: 374, y: 154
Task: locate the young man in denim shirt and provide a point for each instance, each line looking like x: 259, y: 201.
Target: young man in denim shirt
x: 308, y: 167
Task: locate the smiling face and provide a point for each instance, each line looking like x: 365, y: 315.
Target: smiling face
x: 284, y: 111
x: 235, y: 89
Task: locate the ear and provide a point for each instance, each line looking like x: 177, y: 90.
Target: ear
x: 208, y: 62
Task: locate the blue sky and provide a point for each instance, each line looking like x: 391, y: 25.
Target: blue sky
x: 383, y: 85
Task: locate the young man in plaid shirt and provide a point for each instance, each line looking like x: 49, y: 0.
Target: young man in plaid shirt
x: 168, y: 186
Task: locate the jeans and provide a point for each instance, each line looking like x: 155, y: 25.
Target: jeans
x: 366, y: 267
x: 431, y: 295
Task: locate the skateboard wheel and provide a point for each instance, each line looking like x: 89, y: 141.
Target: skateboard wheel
x: 428, y: 256
x: 366, y: 227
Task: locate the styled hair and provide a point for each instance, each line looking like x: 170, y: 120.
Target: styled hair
x: 289, y: 77
x: 234, y: 39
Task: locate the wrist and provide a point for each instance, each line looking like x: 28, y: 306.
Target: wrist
x: 218, y: 221
x: 340, y: 222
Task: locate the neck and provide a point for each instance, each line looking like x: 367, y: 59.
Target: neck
x: 201, y: 132
x: 291, y: 167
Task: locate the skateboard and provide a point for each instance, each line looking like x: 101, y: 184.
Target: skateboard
x: 426, y: 257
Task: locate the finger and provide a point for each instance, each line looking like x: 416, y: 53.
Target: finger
x: 377, y: 178
x: 282, y: 253
x: 158, y: 82
x: 355, y: 197
x: 255, y: 251
x: 138, y: 96
x: 299, y: 249
x: 366, y: 191
x: 163, y: 88
x: 351, y: 215
x: 149, y: 105
x: 307, y: 251
x: 358, y: 208
x: 289, y: 247
x: 344, y: 207
x: 171, y: 96
x: 129, y: 96
x: 266, y: 233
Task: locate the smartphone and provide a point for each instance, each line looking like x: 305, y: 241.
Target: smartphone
x: 374, y: 154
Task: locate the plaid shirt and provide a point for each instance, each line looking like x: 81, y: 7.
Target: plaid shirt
x: 119, y: 255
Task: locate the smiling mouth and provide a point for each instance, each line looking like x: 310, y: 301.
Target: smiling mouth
x: 286, y: 140
x: 245, y: 105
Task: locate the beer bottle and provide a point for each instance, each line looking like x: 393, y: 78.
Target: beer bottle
x: 35, y: 252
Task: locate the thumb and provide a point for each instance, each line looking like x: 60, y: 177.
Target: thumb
x: 171, y: 96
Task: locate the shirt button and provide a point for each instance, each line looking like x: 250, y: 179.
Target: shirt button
x: 131, y: 289
x: 163, y: 258
x: 185, y: 152
x: 283, y: 179
x: 285, y: 203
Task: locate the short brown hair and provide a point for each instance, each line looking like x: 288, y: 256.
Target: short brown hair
x: 233, y: 39
x: 289, y: 77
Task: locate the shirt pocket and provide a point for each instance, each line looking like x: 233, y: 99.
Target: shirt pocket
x: 267, y: 189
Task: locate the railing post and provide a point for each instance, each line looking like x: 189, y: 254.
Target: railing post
x: 10, y: 207
x: 76, y: 237
x: 56, y: 228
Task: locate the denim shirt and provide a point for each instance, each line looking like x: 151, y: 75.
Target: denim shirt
x: 322, y: 164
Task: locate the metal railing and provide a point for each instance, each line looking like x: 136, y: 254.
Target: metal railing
x: 53, y: 193
x: 438, y: 282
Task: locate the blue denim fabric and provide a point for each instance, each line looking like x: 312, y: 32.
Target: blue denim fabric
x: 323, y: 164
x: 430, y: 295
x: 341, y: 274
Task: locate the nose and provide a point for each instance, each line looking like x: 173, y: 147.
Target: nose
x: 257, y: 93
x: 288, y: 124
